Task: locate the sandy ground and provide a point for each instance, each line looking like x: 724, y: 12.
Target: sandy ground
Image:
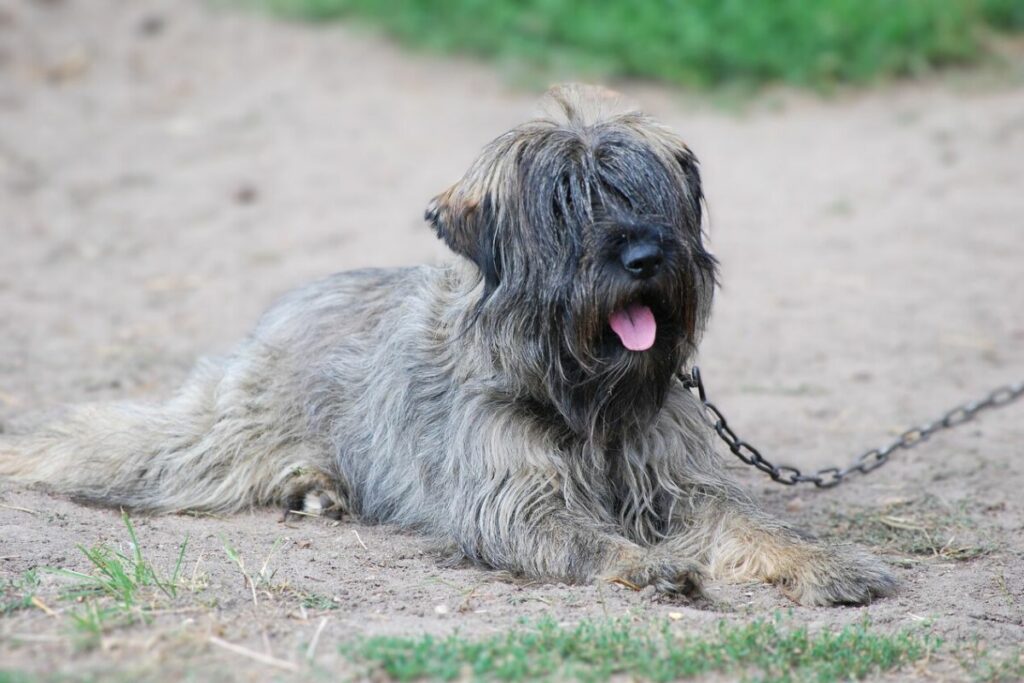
x: 167, y: 169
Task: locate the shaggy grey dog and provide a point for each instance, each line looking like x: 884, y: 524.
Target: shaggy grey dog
x: 520, y: 404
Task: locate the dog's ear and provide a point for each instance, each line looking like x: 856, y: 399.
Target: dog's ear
x: 469, y: 228
x: 691, y: 173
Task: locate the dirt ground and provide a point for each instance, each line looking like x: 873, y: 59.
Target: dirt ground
x: 167, y: 169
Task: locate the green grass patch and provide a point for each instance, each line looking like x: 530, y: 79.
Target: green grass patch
x: 983, y: 665
x: 13, y: 676
x: 120, y: 576
x: 766, y: 650
x: 16, y: 677
x: 17, y: 593
x: 1006, y: 669
x: 693, y: 42
x: 120, y: 588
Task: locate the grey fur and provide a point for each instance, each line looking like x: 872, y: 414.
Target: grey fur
x: 485, y: 402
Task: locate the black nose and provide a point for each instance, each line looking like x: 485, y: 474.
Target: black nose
x: 641, y: 259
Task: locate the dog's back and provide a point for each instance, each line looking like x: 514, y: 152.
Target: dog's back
x: 242, y: 429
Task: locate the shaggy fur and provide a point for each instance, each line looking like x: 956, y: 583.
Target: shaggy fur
x: 488, y: 402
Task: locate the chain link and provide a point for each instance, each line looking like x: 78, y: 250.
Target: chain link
x: 869, y: 461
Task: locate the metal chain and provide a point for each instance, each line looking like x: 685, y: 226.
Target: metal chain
x: 869, y: 461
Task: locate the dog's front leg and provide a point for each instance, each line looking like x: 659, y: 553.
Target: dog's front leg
x: 740, y: 542
x: 522, y: 523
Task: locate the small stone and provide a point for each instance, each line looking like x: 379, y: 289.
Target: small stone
x: 152, y: 25
x: 246, y: 194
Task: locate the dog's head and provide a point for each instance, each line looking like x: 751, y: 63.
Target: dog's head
x: 586, y: 228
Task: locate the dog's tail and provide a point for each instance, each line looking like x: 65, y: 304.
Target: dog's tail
x: 223, y: 443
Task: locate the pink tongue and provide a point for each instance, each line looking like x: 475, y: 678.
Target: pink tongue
x: 635, y: 326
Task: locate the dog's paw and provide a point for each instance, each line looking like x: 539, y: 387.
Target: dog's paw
x: 838, y: 575
x: 667, y: 575
x: 315, y: 493
x: 324, y: 503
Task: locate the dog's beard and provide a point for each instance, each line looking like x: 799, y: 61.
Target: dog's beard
x: 614, y: 353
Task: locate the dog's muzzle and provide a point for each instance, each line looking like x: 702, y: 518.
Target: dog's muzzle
x: 642, y: 260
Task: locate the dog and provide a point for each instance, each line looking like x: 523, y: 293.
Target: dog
x: 520, y: 404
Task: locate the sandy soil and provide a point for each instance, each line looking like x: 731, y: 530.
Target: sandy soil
x: 167, y: 169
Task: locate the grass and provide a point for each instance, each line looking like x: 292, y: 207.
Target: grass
x: 980, y: 664
x: 263, y: 578
x: 694, y: 42
x: 17, y: 594
x: 920, y: 528
x: 119, y: 589
x: 765, y: 650
x: 120, y: 576
x: 16, y: 677
x: 1007, y: 669
x: 124, y: 588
